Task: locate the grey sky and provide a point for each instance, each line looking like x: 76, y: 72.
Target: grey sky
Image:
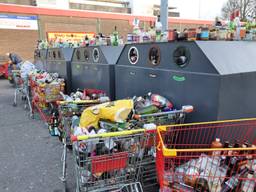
x: 195, y: 9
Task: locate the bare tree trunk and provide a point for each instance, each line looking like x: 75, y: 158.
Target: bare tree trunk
x: 246, y: 8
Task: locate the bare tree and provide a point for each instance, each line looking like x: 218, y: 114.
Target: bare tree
x: 246, y: 8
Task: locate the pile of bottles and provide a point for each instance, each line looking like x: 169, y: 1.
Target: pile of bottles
x: 143, y: 106
x: 53, y: 124
x: 222, y: 171
x: 45, y: 87
x: 231, y: 30
x: 113, y: 39
x: 86, y: 94
x: 73, y: 105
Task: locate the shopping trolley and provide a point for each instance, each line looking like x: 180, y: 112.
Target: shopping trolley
x: 21, y: 87
x: 69, y: 112
x: 186, y: 160
x: 148, y: 176
x: 44, y: 98
x: 109, y: 161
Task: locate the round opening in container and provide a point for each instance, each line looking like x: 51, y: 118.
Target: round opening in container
x: 154, y: 55
x: 181, y: 56
x: 96, y: 55
x: 59, y: 54
x: 78, y: 55
x: 86, y: 55
x: 54, y: 54
x: 37, y: 53
x: 133, y: 55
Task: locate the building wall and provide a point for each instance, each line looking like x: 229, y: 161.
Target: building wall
x: 22, y: 42
x: 60, y: 4
x: 66, y: 24
x: 99, y: 8
x: 107, y: 26
x: 54, y: 20
x: 19, y: 2
x: 71, y: 24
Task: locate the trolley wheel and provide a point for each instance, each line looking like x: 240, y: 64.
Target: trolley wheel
x: 11, y: 81
x: 69, y: 147
x: 60, y: 138
x: 23, y: 98
x: 14, y: 104
x: 32, y: 116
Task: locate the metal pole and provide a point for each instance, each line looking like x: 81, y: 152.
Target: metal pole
x: 199, y: 9
x: 40, y: 35
x: 164, y: 14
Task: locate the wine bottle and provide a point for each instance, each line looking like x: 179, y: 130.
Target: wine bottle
x: 233, y: 182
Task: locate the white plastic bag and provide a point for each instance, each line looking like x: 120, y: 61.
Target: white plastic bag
x: 26, y: 68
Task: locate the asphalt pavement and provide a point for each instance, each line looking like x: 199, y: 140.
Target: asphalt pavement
x: 29, y: 156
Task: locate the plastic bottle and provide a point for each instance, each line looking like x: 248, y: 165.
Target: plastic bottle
x: 231, y: 162
x: 158, y: 29
x: 248, y: 185
x: 86, y: 40
x: 224, y: 153
x: 191, y: 175
x: 115, y: 34
x: 232, y: 183
x: 216, y: 144
x: 201, y: 184
x: 147, y: 110
x: 160, y: 101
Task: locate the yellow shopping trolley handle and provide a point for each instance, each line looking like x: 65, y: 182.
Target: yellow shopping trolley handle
x: 15, y: 71
x: 78, y: 102
x: 106, y: 135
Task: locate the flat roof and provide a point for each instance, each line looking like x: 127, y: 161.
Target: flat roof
x: 32, y: 10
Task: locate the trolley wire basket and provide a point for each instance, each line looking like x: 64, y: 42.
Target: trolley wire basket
x: 21, y: 88
x: 69, y: 113
x: 148, y: 176
x: 44, y: 98
x: 109, y: 161
x: 190, y: 158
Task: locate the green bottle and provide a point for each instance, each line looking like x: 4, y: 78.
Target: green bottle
x: 147, y: 110
x: 115, y: 34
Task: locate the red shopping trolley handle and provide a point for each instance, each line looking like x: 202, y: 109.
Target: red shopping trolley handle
x: 73, y: 138
x: 184, y: 109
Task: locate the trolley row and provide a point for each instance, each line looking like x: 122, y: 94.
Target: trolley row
x: 176, y: 156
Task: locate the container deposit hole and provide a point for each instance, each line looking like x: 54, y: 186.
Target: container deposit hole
x: 133, y: 55
x: 96, y: 55
x: 154, y: 55
x: 181, y: 56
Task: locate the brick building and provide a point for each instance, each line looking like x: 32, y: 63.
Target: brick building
x: 69, y: 20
